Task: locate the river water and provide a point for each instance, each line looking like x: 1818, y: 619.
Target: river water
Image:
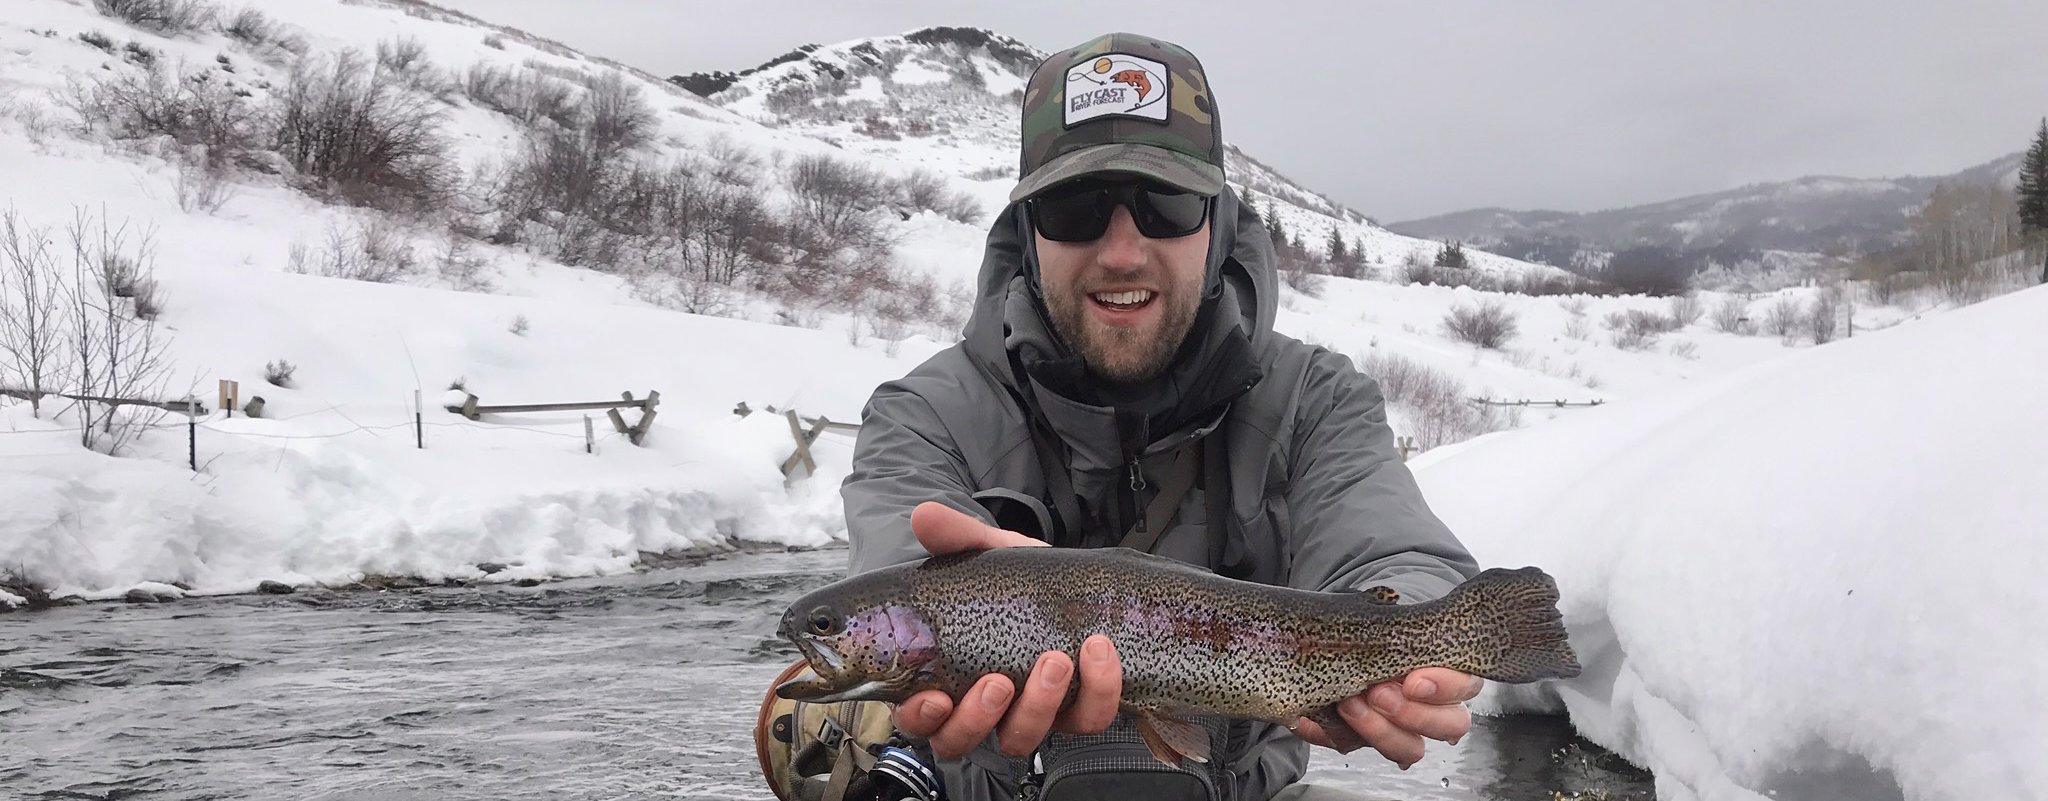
x: 639, y: 686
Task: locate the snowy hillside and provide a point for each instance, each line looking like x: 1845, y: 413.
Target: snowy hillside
x: 1796, y: 566
x: 948, y: 98
x: 255, y: 266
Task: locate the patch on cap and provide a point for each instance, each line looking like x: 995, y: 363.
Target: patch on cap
x: 1116, y: 84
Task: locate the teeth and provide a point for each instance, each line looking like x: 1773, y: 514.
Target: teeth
x: 1130, y: 298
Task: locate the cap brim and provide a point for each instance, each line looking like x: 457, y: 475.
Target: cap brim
x: 1173, y: 168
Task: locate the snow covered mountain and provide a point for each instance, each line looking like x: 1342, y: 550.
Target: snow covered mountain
x: 1812, y: 215
x: 948, y: 97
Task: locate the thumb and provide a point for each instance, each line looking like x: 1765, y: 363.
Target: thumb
x: 941, y: 529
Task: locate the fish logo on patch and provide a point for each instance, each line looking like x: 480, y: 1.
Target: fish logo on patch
x: 1116, y: 84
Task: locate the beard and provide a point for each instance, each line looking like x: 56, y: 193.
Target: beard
x: 1126, y: 354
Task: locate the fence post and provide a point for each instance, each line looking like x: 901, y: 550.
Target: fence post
x: 589, y: 436
x: 419, y: 427
x: 192, y: 431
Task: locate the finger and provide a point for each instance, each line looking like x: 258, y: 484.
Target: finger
x: 1312, y: 732
x: 1400, y: 747
x: 1441, y: 686
x: 920, y: 714
x: 941, y: 529
x: 1102, y: 689
x: 1447, y: 722
x: 1338, y: 738
x: 1031, y: 716
x: 975, y: 716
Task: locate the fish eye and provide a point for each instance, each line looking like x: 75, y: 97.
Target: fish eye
x: 822, y: 622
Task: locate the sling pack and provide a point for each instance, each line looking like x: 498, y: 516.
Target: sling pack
x: 845, y: 751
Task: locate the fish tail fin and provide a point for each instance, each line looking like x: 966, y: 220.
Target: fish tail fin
x: 1525, y: 633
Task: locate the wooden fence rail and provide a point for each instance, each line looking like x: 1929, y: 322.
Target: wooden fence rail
x: 634, y: 433
x: 180, y: 406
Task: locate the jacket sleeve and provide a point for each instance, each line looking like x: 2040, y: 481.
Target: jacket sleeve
x: 904, y: 456
x: 1358, y: 517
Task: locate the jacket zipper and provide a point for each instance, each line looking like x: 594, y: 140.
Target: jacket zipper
x: 1137, y: 485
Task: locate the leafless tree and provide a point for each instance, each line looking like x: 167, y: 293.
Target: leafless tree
x: 118, y: 356
x: 33, y: 324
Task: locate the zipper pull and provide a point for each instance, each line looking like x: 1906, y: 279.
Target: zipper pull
x: 1137, y: 486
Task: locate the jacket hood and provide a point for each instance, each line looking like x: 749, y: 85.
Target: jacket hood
x: 1010, y: 331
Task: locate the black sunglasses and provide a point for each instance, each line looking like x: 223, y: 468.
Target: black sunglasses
x: 1080, y: 212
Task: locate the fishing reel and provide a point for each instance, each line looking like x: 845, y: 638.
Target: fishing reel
x: 899, y: 775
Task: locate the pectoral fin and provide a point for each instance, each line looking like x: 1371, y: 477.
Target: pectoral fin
x: 1172, y: 739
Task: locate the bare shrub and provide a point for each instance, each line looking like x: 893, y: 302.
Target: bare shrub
x: 1577, y: 328
x: 168, y: 17
x: 250, y: 27
x: 1488, y: 325
x: 1634, y: 339
x: 494, y: 41
x: 1575, y: 305
x: 992, y: 172
x: 375, y: 252
x: 362, y: 138
x: 618, y: 114
x: 1686, y: 310
x: 520, y: 325
x: 523, y: 94
x: 1304, y: 278
x: 280, y: 373
x: 1782, y: 317
x: 1431, y: 400
x: 924, y: 189
x: 202, y: 184
x: 1689, y: 351
x: 834, y: 196
x: 99, y: 40
x: 1731, y: 315
x: 198, y: 110
x: 732, y: 163
x: 400, y: 56
x: 1543, y: 285
x: 1636, y: 329
x: 463, y: 271
x: 1823, y: 315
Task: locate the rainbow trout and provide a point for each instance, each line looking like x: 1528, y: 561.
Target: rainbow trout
x: 1191, y: 642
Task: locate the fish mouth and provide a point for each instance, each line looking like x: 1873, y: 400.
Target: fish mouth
x: 828, y: 680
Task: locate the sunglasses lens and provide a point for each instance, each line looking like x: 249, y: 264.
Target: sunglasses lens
x: 1163, y: 213
x: 1074, y: 214
x: 1081, y: 212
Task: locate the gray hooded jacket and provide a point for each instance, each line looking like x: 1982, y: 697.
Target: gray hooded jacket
x: 1313, y: 494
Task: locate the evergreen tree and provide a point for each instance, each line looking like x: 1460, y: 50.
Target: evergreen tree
x: 2033, y: 189
x: 2033, y: 195
x: 1336, y: 246
x: 1451, y: 256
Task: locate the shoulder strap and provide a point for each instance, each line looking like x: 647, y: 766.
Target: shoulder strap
x: 1159, y: 514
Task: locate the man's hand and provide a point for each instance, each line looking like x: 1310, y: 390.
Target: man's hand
x: 1393, y: 717
x: 988, y: 706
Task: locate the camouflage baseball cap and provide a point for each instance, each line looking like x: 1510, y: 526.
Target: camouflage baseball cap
x: 1121, y: 103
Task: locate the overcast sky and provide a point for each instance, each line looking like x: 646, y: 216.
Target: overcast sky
x: 1414, y: 109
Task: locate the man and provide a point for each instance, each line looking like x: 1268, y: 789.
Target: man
x: 1120, y: 384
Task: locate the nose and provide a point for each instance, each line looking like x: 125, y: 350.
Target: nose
x: 1121, y: 247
